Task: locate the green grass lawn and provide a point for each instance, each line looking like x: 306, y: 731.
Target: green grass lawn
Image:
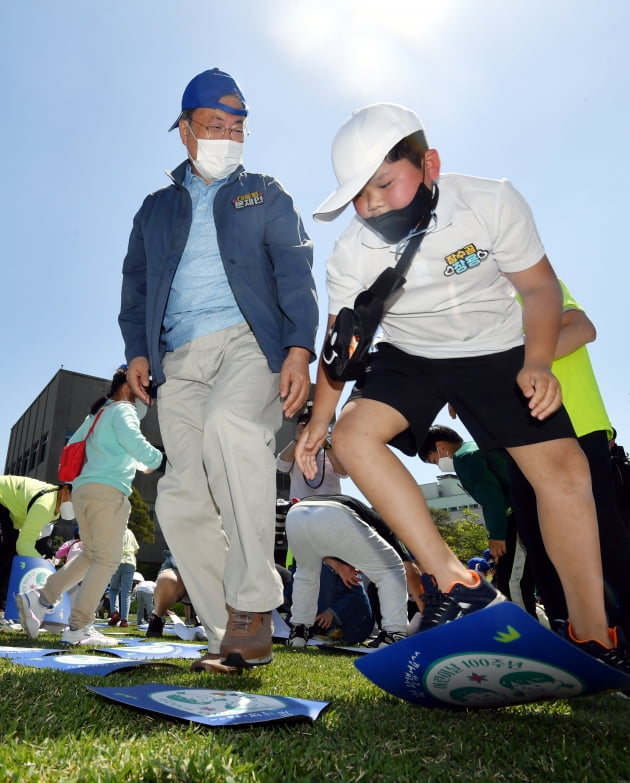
x: 54, y: 729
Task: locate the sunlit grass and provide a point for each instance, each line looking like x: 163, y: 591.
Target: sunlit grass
x: 55, y: 729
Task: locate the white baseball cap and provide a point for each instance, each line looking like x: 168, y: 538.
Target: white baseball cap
x: 359, y: 148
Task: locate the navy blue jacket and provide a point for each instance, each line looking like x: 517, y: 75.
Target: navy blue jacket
x: 266, y: 254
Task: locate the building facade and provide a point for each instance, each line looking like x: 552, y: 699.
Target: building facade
x: 41, y: 432
x: 448, y: 494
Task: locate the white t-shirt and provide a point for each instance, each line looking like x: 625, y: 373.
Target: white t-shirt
x: 456, y: 301
x: 145, y: 587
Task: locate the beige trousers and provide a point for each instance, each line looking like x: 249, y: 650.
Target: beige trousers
x: 219, y: 410
x: 102, y: 513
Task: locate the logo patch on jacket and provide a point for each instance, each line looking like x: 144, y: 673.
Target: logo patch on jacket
x: 248, y: 200
x: 462, y: 260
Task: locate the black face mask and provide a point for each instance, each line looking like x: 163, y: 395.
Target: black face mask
x: 396, y: 224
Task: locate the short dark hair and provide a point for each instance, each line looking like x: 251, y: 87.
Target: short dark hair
x: 119, y: 379
x: 411, y: 148
x: 435, y: 433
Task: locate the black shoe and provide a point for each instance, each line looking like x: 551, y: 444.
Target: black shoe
x: 156, y: 627
x: 617, y: 656
x: 459, y: 600
x: 385, y: 638
x: 298, y: 637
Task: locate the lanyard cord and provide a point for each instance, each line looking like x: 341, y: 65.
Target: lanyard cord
x: 321, y: 481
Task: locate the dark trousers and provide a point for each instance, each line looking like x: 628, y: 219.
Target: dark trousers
x: 350, y: 604
x: 505, y: 571
x: 8, y: 539
x: 613, y: 537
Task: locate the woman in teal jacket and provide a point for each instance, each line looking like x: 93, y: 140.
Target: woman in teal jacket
x: 114, y: 451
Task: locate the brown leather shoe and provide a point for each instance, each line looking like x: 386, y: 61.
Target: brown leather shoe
x: 247, y: 640
x: 211, y: 664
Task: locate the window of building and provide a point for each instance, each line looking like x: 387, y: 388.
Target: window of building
x: 25, y: 461
x: 33, y: 460
x: 43, y: 447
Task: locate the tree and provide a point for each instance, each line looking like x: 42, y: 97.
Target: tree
x: 440, y: 516
x: 465, y: 537
x: 140, y: 522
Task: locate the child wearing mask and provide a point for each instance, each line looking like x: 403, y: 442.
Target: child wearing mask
x: 100, y: 496
x: 454, y: 334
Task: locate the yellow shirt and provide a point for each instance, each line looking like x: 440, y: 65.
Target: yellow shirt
x: 580, y: 392
x: 15, y: 494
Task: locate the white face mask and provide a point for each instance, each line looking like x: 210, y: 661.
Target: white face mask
x: 66, y: 510
x: 446, y: 465
x: 217, y: 158
x: 141, y: 408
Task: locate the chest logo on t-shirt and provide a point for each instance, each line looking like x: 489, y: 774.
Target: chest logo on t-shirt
x: 248, y: 200
x: 462, y: 260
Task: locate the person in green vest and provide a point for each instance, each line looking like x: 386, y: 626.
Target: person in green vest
x: 584, y: 404
x: 28, y: 509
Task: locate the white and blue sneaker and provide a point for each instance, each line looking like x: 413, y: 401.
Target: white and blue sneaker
x: 32, y: 612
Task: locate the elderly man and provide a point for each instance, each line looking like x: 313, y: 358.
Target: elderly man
x: 219, y: 311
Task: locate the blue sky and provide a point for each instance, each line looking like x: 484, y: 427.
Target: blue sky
x: 532, y: 90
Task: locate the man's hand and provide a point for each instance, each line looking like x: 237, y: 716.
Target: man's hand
x: 139, y: 378
x: 348, y: 575
x: 497, y: 548
x: 295, y: 382
x: 325, y: 619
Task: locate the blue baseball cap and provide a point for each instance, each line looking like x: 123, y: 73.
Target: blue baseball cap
x: 205, y: 92
x: 479, y: 564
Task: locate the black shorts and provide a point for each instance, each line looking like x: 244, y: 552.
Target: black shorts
x: 482, y: 389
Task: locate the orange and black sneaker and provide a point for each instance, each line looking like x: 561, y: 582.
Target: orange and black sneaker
x: 617, y: 656
x: 247, y: 641
x: 457, y: 601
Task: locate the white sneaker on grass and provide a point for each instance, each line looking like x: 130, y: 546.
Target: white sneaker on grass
x: 86, y: 637
x: 32, y: 612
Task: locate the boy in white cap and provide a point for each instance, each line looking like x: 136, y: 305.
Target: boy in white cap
x: 454, y: 334
x: 219, y: 311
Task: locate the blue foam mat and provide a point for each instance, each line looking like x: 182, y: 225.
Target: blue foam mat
x: 491, y: 658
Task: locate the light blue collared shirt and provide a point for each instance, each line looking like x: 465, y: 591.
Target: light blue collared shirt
x: 201, y: 300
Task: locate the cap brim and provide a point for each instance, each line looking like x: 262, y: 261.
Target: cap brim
x: 371, y: 138
x: 176, y: 123
x: 339, y: 199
